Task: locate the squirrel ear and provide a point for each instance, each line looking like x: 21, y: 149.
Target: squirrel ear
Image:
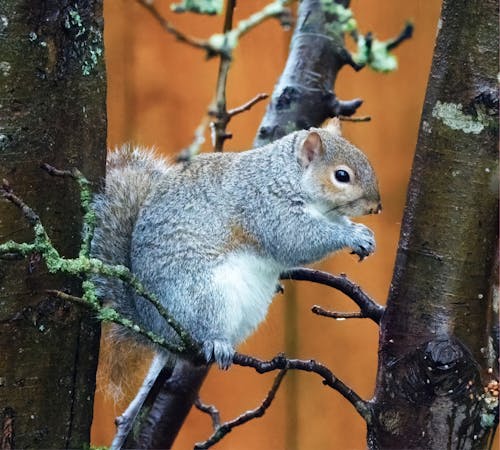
x: 310, y: 149
x: 333, y: 126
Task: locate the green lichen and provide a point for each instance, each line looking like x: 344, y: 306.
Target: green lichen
x: 87, y: 42
x: 73, y: 19
x: 209, y: 7
x: 375, y: 55
x: 90, y: 293
x: 225, y: 43
x: 22, y: 248
x: 452, y: 115
x: 92, y: 53
x: 344, y: 21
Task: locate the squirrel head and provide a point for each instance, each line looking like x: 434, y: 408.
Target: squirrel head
x: 338, y: 177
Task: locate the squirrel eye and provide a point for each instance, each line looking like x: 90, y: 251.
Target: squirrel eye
x: 342, y: 176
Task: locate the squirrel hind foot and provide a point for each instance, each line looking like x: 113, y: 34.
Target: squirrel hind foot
x: 219, y: 351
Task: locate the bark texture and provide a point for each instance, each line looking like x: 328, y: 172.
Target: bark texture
x: 437, y: 347
x: 52, y: 110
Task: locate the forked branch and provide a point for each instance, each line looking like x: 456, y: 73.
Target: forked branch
x: 221, y: 429
x: 280, y: 362
x: 368, y: 306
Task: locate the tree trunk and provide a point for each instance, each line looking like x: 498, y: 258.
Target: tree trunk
x: 53, y: 110
x: 438, y: 350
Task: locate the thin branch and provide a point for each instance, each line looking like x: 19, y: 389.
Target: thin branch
x: 368, y: 306
x: 211, y: 410
x: 280, y: 362
x: 347, y: 58
x: 219, y: 125
x: 355, y: 119
x: 275, y: 9
x: 338, y: 315
x: 7, y: 193
x: 111, y: 315
x: 403, y: 36
x: 246, y: 106
x: 227, y: 427
x: 169, y: 28
x: 51, y: 170
x: 89, y: 219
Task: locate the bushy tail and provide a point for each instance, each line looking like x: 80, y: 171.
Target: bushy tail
x: 131, y: 174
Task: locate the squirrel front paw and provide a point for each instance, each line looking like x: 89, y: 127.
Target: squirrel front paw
x: 220, y: 352
x: 362, y: 241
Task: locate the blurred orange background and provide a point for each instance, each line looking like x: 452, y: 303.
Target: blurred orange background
x: 159, y: 90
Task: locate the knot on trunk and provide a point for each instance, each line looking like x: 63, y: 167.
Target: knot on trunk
x: 441, y: 367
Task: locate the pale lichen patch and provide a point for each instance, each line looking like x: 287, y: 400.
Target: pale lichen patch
x: 452, y: 116
x: 5, y: 68
x: 4, y: 23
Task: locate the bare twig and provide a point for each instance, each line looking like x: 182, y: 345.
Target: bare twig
x: 226, y: 427
x: 211, y: 410
x: 280, y: 362
x: 57, y: 172
x: 222, y: 116
x: 355, y: 119
x: 246, y: 106
x: 337, y: 314
x: 7, y: 193
x: 169, y: 28
x: 403, y: 36
x: 368, y: 306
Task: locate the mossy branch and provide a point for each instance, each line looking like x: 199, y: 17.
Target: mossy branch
x: 84, y: 265
x: 108, y: 314
x: 377, y: 54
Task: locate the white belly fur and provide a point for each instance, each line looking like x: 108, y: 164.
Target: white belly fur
x: 248, y: 283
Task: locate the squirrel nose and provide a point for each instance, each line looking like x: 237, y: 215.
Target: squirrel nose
x: 376, y: 210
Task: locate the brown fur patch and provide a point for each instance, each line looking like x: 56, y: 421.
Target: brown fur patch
x: 123, y: 363
x: 240, y: 238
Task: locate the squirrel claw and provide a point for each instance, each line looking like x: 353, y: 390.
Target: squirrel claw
x: 219, y: 351
x: 362, y: 255
x: 363, y: 243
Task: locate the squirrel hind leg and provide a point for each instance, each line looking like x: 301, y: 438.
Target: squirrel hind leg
x: 219, y: 351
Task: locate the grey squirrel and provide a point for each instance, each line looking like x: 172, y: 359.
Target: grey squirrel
x: 211, y: 236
